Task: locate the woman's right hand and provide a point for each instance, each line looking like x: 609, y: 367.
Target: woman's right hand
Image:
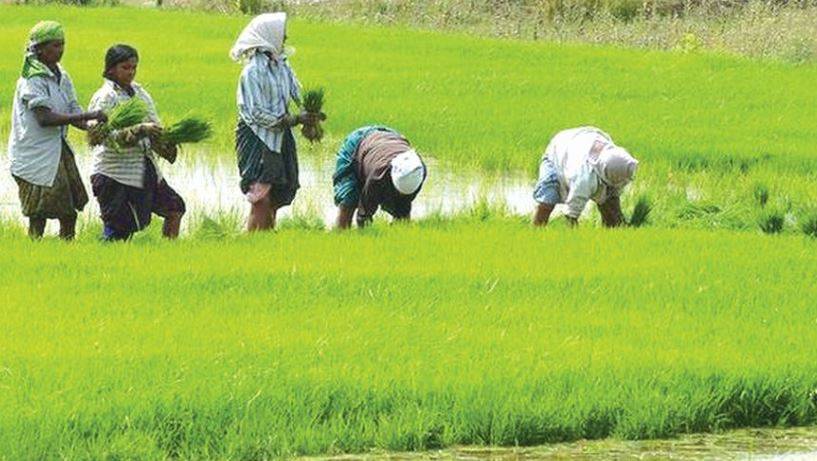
x: 98, y: 115
x: 311, y: 118
x: 149, y: 129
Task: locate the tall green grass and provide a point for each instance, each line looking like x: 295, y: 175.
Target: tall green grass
x: 400, y: 337
x: 484, y: 102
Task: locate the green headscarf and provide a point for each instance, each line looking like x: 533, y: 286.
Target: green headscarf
x: 42, y: 32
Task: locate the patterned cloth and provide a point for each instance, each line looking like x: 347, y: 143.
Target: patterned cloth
x: 42, y: 32
x: 264, y: 92
x: 345, y: 182
x: 126, y: 209
x: 125, y: 163
x: 34, y: 150
x: 547, y: 188
x: 257, y: 164
x: 62, y: 199
x: 362, y: 177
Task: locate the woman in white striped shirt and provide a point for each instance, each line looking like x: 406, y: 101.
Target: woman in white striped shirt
x: 265, y: 146
x: 126, y: 179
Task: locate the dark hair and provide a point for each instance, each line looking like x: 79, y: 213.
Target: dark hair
x: 118, y: 53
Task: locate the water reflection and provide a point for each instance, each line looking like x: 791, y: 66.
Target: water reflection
x: 210, y: 186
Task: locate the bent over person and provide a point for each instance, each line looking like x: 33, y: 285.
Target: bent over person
x: 42, y: 162
x: 376, y: 167
x: 582, y: 164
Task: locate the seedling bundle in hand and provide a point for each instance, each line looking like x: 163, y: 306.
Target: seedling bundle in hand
x: 124, y: 115
x: 313, y: 104
x: 189, y: 130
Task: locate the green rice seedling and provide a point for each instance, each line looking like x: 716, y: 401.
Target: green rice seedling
x: 303, y: 343
x: 313, y: 100
x: 124, y: 115
x: 127, y: 114
x: 641, y: 211
x: 809, y: 225
x: 771, y: 221
x: 413, y: 91
x: 761, y: 194
x: 189, y: 130
x: 306, y: 221
x: 313, y: 103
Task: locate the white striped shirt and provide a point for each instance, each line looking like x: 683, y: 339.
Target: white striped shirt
x: 125, y: 164
x: 264, y: 92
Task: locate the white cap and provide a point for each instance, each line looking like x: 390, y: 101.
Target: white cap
x: 616, y: 166
x: 407, y: 172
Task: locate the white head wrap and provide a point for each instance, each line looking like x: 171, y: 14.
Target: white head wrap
x: 616, y: 166
x: 265, y: 32
x: 407, y: 172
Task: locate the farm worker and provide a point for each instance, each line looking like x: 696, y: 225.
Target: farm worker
x: 582, y: 164
x: 126, y: 179
x: 376, y: 167
x: 42, y: 162
x: 267, y: 154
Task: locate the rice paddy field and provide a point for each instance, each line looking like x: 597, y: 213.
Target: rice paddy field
x: 469, y: 329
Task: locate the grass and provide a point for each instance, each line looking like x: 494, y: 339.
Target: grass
x: 809, y: 227
x: 756, y: 28
x: 471, y: 330
x: 189, y: 130
x: 772, y: 221
x: 302, y: 343
x: 641, y: 211
x: 467, y: 101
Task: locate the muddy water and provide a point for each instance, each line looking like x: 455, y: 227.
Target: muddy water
x: 765, y: 444
x: 210, y: 187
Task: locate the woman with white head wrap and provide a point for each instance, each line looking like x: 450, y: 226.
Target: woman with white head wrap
x: 42, y: 162
x: 376, y: 168
x: 267, y: 154
x: 579, y: 165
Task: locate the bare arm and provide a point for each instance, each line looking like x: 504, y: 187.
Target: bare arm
x: 611, y: 214
x: 46, y: 117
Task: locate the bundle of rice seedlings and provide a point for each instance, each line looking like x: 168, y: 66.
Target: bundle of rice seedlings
x: 641, y: 211
x: 188, y: 130
x: 761, y: 193
x: 809, y: 225
x: 771, y: 222
x: 125, y: 115
x: 313, y: 103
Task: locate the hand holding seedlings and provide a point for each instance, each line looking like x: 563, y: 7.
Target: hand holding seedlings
x: 148, y: 129
x: 313, y: 106
x: 97, y: 115
x: 124, y: 115
x: 304, y: 118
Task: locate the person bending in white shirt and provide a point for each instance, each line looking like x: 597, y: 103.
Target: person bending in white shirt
x: 582, y: 164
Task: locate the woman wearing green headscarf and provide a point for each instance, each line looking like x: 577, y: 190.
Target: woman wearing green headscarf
x: 42, y: 162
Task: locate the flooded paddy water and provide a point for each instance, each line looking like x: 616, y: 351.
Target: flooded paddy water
x: 799, y: 444
x: 209, y: 186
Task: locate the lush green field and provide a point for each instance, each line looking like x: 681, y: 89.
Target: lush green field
x: 470, y: 330
x: 402, y: 338
x: 485, y: 102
